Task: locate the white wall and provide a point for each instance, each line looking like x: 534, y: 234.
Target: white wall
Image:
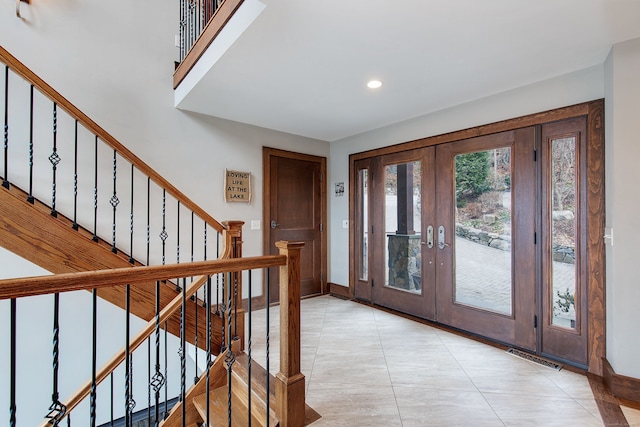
x: 622, y: 176
x: 114, y: 61
x: 581, y: 86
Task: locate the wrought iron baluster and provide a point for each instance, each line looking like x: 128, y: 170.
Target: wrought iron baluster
x: 218, y: 289
x: 57, y: 410
x: 195, y: 299
x: 209, y: 362
x: 166, y: 378
x: 30, y: 197
x: 182, y: 31
x: 183, y: 350
x: 249, y: 353
x: 111, y: 401
x: 131, y: 260
x: 75, y: 177
x: 95, y: 192
x: 54, y: 158
x: 191, y: 23
x: 94, y: 353
x: 129, y: 403
x: 158, y: 379
x: 5, y: 178
x: 230, y: 357
x: 148, y: 218
x: 178, y: 245
x: 222, y: 313
x: 163, y: 233
x: 13, y: 365
x: 149, y: 380
x: 114, y: 201
x: 268, y: 299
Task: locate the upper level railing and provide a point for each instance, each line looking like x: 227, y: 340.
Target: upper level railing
x: 200, y: 22
x: 101, y: 403
x: 59, y: 156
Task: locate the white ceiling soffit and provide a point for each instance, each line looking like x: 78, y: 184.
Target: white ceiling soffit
x: 301, y: 66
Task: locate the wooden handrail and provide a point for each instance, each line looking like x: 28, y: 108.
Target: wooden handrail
x: 22, y: 70
x: 87, y: 280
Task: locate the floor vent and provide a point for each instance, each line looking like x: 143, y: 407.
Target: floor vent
x: 535, y: 359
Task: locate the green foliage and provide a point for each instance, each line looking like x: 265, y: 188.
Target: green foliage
x: 472, y: 173
x: 565, y: 301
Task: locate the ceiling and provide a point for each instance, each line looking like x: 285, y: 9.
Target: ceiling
x: 301, y: 66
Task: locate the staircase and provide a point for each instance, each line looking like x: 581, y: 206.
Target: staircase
x: 100, y: 247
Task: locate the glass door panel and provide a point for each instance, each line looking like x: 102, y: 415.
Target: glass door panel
x: 563, y: 334
x: 483, y: 258
x: 363, y: 230
x: 563, y: 231
x: 485, y: 194
x: 402, y: 195
x: 403, y: 274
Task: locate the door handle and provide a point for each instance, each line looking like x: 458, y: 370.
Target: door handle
x: 274, y: 224
x: 441, y: 243
x: 429, y: 241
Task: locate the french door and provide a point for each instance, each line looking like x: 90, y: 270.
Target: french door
x: 461, y: 233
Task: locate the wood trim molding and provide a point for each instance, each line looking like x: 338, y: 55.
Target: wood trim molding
x: 505, y: 125
x: 20, y: 69
x: 340, y: 291
x: 211, y: 31
x: 596, y: 274
x: 621, y: 386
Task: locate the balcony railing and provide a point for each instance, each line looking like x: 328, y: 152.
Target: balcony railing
x: 200, y: 22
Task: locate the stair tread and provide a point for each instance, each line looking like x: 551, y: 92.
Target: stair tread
x: 219, y: 409
x: 258, y: 376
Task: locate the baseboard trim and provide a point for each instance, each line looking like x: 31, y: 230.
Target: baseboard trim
x: 340, y: 291
x: 621, y: 386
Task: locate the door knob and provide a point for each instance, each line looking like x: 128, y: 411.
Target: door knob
x: 274, y: 224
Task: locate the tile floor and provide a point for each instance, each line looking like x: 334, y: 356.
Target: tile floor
x: 367, y: 367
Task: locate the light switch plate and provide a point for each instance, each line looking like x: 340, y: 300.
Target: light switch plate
x: 345, y: 223
x: 255, y: 224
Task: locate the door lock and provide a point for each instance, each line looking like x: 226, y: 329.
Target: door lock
x: 441, y: 243
x: 274, y: 224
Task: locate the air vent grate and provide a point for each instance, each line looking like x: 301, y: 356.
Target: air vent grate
x: 535, y: 359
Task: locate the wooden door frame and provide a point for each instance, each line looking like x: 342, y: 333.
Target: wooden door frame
x: 267, y: 154
x: 595, y: 258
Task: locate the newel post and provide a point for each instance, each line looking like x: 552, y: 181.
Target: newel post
x: 233, y: 249
x: 289, y: 380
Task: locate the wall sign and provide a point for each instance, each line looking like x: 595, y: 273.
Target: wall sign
x: 237, y: 186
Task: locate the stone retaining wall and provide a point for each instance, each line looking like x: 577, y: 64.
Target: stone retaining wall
x: 565, y: 254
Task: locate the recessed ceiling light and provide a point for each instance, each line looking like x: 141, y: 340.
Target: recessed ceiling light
x: 374, y: 84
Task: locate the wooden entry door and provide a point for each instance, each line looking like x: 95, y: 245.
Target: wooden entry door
x: 486, y: 222
x: 445, y: 226
x: 395, y: 217
x: 294, y: 210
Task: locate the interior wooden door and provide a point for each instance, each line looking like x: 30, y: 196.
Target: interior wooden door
x: 294, y: 211
x: 486, y: 223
